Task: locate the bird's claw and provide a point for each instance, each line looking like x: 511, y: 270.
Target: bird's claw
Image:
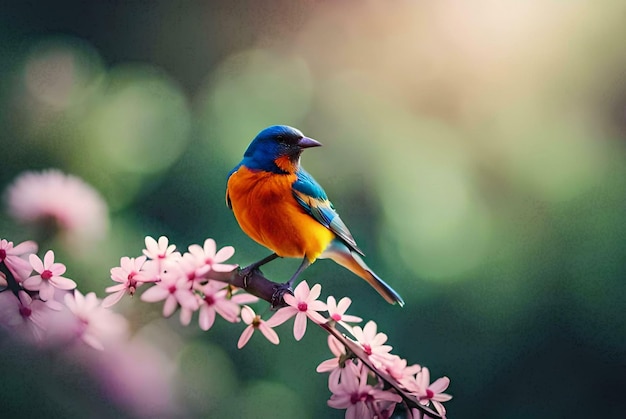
x: 277, y: 297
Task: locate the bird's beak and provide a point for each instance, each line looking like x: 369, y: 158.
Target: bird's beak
x: 306, y: 142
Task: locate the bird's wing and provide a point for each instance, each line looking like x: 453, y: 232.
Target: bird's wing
x: 311, y: 196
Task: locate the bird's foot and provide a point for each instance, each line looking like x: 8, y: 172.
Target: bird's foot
x: 279, y: 291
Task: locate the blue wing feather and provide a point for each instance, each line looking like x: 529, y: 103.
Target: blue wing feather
x: 309, y: 186
x: 312, y: 197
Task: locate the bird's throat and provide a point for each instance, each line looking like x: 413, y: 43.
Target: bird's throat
x: 289, y: 164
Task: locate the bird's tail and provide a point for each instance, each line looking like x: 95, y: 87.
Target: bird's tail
x: 350, y: 260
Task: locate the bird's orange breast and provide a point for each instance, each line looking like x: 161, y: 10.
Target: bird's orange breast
x: 266, y: 210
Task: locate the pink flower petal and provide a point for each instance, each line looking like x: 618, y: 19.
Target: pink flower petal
x: 114, y: 298
x: 57, y: 268
x: 114, y: 288
x: 36, y: 263
x: 170, y: 306
x: 315, y: 292
x: 439, y: 385
x: 299, y: 326
x: 32, y: 283
x: 63, y: 283
x: 301, y: 292
x: 316, y: 317
x: 281, y: 316
x: 343, y: 305
x: 28, y: 246
x: 185, y: 316
x: 209, y: 247
x: 206, y: 318
x: 224, y: 254
x: 316, y: 306
x: 441, y: 397
x: 223, y: 268
x: 247, y: 314
x: 245, y: 337
x: 328, y: 365
x: 48, y: 259
x: 291, y: 300
x: 154, y: 294
x: 269, y: 333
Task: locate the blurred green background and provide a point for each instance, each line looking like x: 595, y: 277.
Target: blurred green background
x: 476, y: 150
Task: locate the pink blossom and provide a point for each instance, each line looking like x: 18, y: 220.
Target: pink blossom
x: 397, y: 368
x: 24, y: 314
x: 16, y: 257
x: 373, y: 343
x: 215, y: 300
x: 160, y: 251
x: 192, y: 269
x: 95, y: 325
x: 254, y: 322
x: 48, y: 276
x: 209, y: 256
x: 360, y: 399
x: 175, y: 289
x: 433, y: 393
x: 334, y: 365
x: 130, y: 276
x: 302, y: 304
x: 338, y: 350
x: 336, y: 312
x: 76, y: 208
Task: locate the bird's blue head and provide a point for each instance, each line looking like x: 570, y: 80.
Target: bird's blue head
x: 277, y: 149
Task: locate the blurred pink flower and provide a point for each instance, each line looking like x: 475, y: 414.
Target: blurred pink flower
x: 139, y: 376
x: 49, y: 276
x: 302, y: 304
x: 360, y: 399
x: 254, y: 321
x: 95, y: 325
x: 130, y: 276
x: 373, y: 343
x: 75, y: 207
x: 16, y: 257
x: 336, y: 311
x: 175, y: 289
x: 25, y: 315
x: 209, y: 256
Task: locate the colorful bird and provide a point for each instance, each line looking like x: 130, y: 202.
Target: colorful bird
x: 279, y: 205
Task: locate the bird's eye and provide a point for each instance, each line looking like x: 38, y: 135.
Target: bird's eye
x: 280, y: 138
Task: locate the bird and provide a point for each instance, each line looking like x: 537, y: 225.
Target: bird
x: 282, y: 207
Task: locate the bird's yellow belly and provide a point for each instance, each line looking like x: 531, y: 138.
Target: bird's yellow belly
x: 266, y: 210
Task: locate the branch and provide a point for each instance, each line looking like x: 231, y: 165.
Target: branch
x: 256, y: 284
x: 253, y: 282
